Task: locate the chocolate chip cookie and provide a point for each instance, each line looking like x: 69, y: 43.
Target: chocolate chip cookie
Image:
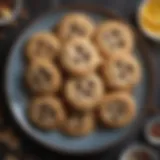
x: 43, y: 45
x: 79, y: 124
x: 84, y: 93
x: 46, y: 112
x: 42, y: 77
x: 117, y: 110
x: 75, y: 24
x: 122, y: 72
x: 114, y: 37
x: 79, y: 57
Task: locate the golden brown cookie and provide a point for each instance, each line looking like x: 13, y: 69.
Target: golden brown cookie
x: 122, y: 72
x: 84, y: 93
x: 43, y: 77
x: 42, y: 45
x: 114, y: 37
x: 79, y: 124
x: 75, y: 24
x: 79, y: 57
x: 117, y: 110
x: 46, y: 112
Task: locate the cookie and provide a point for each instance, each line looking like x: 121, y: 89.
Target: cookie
x: 117, y: 110
x: 10, y: 139
x: 75, y: 24
x: 79, y: 57
x: 46, y: 112
x: 114, y: 37
x: 79, y: 124
x: 42, y: 77
x: 122, y: 72
x: 43, y: 45
x: 84, y: 93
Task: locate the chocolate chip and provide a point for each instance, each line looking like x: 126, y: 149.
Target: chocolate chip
x: 40, y: 43
x: 87, y: 92
x: 86, y: 56
x: 115, y: 33
x: 121, y: 43
x: 121, y: 109
x: 84, y: 90
x: 45, y: 74
x: 124, y: 69
x: 79, y: 49
x: 41, y: 77
x: 91, y: 84
x: 76, y: 29
x: 82, y: 54
x: 43, y: 48
x: 46, y: 111
x: 119, y: 64
x: 78, y: 85
x: 114, y: 38
x: 129, y: 68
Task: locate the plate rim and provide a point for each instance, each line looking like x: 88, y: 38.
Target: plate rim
x: 144, y: 50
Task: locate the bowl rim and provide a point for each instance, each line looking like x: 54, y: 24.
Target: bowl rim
x: 146, y: 32
x: 151, y: 84
x: 150, y: 138
x: 15, y: 13
x: 140, y: 146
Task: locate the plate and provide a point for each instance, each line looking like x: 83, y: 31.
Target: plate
x: 99, y: 140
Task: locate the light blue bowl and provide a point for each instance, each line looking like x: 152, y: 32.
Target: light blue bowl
x: 100, y: 139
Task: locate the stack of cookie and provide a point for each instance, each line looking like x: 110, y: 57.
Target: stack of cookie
x: 82, y: 75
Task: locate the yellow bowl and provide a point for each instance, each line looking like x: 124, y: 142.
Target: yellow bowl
x: 149, y: 18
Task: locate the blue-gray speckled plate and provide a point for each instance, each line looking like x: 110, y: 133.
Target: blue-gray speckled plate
x: 100, y: 139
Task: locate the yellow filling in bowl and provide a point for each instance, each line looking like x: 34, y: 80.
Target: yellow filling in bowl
x: 150, y: 16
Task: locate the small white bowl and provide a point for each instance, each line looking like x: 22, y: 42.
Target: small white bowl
x: 15, y: 13
x: 138, y: 147
x: 145, y: 31
x: 152, y: 140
